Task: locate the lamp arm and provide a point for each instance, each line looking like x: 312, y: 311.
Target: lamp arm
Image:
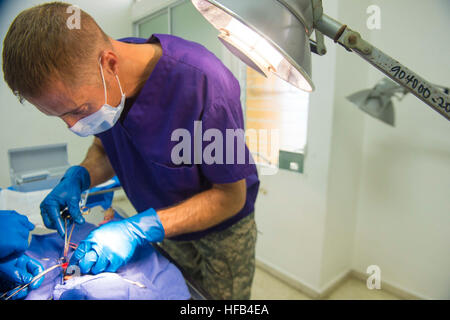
x: 429, y: 93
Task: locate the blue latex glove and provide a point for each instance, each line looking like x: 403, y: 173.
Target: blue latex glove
x: 21, y: 271
x: 66, y: 194
x: 112, y: 245
x: 14, y: 231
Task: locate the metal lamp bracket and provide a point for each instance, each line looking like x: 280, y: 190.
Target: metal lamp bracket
x: 352, y: 40
x: 319, y: 44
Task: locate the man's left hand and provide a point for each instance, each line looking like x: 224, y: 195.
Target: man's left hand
x: 112, y: 245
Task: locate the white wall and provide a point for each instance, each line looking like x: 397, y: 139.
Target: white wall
x: 23, y: 126
x: 144, y: 8
x: 346, y: 150
x: 403, y: 206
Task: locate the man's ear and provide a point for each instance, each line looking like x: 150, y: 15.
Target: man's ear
x: 109, y: 62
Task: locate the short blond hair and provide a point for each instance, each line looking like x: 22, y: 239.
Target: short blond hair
x: 39, y: 47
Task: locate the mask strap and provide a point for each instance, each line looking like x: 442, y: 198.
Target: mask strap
x: 120, y: 87
x: 103, y: 79
x: 104, y: 84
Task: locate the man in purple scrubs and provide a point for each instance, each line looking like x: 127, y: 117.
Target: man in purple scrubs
x: 149, y: 103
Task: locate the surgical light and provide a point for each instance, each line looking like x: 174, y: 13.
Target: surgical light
x: 379, y: 100
x: 261, y: 33
x: 274, y: 36
x: 237, y: 36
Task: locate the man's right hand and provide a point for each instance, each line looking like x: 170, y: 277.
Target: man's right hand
x: 66, y: 194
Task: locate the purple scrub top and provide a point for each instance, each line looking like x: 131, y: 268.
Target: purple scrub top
x: 188, y: 84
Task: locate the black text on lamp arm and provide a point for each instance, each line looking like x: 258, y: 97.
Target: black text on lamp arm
x: 429, y: 93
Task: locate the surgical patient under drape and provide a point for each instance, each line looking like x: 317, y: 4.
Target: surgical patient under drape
x: 148, y: 275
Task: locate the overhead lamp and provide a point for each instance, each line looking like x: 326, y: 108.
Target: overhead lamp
x: 379, y: 100
x: 274, y: 36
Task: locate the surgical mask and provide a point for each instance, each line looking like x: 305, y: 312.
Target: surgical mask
x: 103, y: 119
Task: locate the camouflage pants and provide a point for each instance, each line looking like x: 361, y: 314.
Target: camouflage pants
x: 222, y: 263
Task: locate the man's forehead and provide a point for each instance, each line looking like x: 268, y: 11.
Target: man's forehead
x: 57, y: 99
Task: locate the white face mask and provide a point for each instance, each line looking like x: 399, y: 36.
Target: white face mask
x: 103, y: 119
